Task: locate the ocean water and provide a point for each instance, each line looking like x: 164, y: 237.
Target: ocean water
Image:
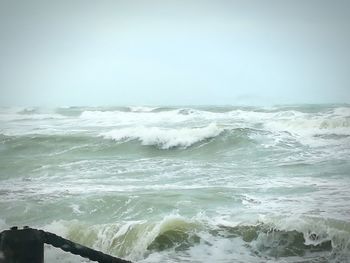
x: 182, y: 184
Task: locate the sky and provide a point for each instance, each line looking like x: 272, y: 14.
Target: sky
x: 184, y: 52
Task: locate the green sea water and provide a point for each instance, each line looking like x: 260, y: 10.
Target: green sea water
x: 182, y: 184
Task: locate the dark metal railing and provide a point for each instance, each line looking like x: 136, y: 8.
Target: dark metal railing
x: 27, y: 246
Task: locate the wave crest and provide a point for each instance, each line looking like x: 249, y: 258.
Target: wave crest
x: 136, y: 240
x: 141, y: 108
x: 164, y: 138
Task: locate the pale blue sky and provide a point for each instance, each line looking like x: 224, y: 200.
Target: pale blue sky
x: 128, y: 52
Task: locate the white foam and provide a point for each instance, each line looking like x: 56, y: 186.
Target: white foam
x: 131, y: 240
x: 317, y: 129
x: 142, y: 108
x: 342, y: 111
x: 119, y: 118
x: 76, y: 209
x: 312, y: 130
x: 337, y: 232
x: 164, y: 138
x: 306, y: 128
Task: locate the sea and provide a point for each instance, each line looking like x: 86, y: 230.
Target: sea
x: 181, y: 184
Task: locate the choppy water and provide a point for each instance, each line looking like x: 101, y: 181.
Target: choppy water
x: 209, y: 184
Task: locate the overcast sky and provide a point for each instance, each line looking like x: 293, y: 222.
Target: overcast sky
x: 55, y: 53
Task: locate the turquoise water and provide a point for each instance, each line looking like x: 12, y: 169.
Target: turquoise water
x: 182, y: 184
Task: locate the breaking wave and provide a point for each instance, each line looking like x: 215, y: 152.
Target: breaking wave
x: 142, y: 109
x: 147, y: 203
x: 321, y: 128
x: 164, y: 138
x: 311, y: 238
